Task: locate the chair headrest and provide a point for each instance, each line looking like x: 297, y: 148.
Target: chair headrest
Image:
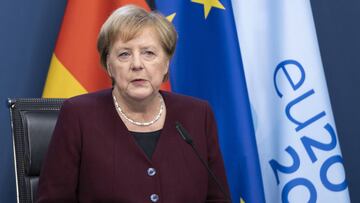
x: 38, y: 126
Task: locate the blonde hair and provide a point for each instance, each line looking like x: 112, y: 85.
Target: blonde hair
x: 126, y: 22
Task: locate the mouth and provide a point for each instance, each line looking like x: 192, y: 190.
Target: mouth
x: 138, y: 81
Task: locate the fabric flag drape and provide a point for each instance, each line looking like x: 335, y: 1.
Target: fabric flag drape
x: 75, y: 68
x: 295, y: 131
x: 207, y: 64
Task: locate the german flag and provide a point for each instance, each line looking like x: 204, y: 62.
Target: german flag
x: 75, y: 66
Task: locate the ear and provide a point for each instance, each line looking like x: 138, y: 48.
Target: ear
x: 109, y: 69
x: 166, y: 70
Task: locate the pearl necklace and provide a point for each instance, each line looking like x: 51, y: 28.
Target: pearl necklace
x: 156, y: 118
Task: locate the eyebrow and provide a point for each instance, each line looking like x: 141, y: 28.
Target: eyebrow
x: 141, y: 47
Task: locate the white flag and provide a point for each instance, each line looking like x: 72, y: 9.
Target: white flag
x: 296, y: 137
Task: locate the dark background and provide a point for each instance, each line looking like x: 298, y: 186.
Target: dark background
x: 28, y: 31
x: 338, y: 29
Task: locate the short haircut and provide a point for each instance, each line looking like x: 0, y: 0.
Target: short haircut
x: 126, y: 22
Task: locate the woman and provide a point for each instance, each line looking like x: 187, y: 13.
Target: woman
x: 121, y: 144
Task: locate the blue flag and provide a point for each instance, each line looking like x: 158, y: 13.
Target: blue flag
x: 299, y: 152
x: 207, y: 64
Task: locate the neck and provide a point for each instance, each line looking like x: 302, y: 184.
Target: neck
x: 143, y: 109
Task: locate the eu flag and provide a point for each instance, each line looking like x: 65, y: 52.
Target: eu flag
x: 207, y: 64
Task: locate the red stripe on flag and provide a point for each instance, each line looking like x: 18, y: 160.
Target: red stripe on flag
x: 76, y: 45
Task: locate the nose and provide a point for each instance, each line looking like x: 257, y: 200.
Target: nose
x: 137, y: 64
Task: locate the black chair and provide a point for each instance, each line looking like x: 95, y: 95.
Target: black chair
x: 32, y: 122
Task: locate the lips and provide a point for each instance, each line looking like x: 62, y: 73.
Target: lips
x: 135, y: 80
x: 138, y: 81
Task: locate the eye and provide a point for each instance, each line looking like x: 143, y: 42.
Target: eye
x: 124, y: 55
x: 149, y: 54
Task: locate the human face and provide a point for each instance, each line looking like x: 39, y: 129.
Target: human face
x: 138, y: 66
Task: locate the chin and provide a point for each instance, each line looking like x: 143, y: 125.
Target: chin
x: 141, y: 94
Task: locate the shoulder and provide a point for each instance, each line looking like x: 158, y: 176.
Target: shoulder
x: 180, y: 101
x: 90, y: 100
x: 186, y: 108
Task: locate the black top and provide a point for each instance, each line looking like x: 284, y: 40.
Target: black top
x: 147, y: 141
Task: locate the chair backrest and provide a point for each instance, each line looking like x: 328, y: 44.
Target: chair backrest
x: 32, y: 122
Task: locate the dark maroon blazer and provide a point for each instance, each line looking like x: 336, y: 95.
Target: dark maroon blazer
x: 92, y: 156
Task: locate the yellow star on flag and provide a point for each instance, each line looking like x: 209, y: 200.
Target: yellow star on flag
x: 171, y: 17
x: 208, y: 4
